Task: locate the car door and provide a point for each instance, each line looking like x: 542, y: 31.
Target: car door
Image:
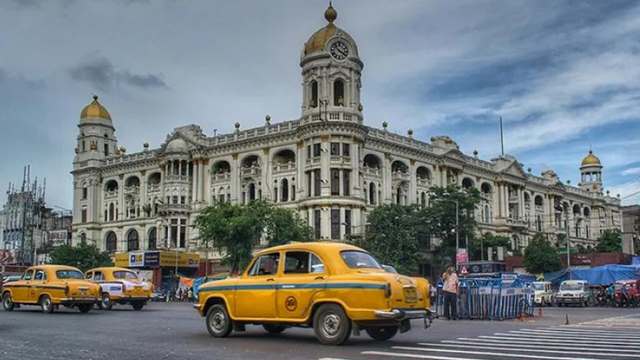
x: 255, y: 294
x: 35, y: 289
x: 22, y: 287
x: 303, y: 276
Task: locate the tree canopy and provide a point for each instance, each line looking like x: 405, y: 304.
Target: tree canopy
x: 541, y: 256
x: 486, y: 241
x: 234, y: 230
x: 83, y: 256
x: 610, y: 241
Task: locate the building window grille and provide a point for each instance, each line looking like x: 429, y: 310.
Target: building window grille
x: 335, y: 224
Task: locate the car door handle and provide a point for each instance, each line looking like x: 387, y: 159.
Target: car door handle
x: 319, y: 278
x: 271, y: 279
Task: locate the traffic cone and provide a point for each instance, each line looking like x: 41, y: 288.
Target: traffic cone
x: 566, y: 321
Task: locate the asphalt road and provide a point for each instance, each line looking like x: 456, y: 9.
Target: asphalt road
x: 176, y: 331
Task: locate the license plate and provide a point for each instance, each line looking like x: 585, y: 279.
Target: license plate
x: 410, y: 295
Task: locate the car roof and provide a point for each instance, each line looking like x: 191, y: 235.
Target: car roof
x: 53, y: 267
x: 111, y: 268
x: 318, y: 246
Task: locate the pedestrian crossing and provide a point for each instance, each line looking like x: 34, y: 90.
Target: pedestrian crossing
x: 611, y: 338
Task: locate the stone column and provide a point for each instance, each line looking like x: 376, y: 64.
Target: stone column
x: 194, y: 180
x: 325, y: 173
x: 266, y: 175
x: 386, y: 181
x: 206, y: 182
x: 413, y: 185
x: 356, y: 181
x: 300, y: 175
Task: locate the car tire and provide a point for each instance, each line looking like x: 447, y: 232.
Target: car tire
x: 85, y: 308
x: 382, y: 333
x: 137, y: 306
x: 7, y: 302
x: 331, y: 325
x: 105, y: 302
x: 218, y: 322
x: 46, y: 304
x: 274, y: 329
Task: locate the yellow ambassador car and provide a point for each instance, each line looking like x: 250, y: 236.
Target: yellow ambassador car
x: 120, y: 286
x: 335, y: 288
x: 50, y: 286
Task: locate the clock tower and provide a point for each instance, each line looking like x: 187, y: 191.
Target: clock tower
x: 331, y: 70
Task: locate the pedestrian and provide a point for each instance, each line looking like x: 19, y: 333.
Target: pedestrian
x: 450, y: 290
x: 190, y: 294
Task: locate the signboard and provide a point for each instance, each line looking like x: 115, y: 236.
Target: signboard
x: 152, y: 258
x: 164, y: 258
x: 136, y: 259
x: 508, y: 279
x: 462, y: 256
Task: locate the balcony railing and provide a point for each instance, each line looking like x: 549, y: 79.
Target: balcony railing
x: 423, y: 182
x: 251, y: 171
x: 111, y: 194
x: 153, y: 188
x: 135, y: 189
x: 173, y: 208
x: 284, y: 167
x: 177, y: 178
x: 372, y: 171
x: 400, y: 175
x: 221, y: 176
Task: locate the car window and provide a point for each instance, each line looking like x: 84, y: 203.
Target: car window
x: 98, y: 276
x: 125, y: 275
x: 69, y: 274
x: 265, y: 265
x: 359, y: 259
x: 28, y: 275
x: 89, y: 276
x: 302, y: 262
x: 40, y: 275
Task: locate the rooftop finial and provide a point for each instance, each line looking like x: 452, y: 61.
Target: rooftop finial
x: 95, y: 97
x: 330, y: 14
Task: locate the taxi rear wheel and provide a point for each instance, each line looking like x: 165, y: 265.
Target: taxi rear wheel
x: 85, y: 308
x: 7, y: 302
x: 382, y: 333
x: 137, y: 306
x: 331, y: 324
x: 274, y: 329
x: 218, y: 321
x: 46, y: 305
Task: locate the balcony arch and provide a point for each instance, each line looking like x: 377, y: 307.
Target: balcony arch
x: 399, y: 166
x: 250, y: 161
x: 133, y: 180
x: 372, y: 161
x: 111, y: 186
x: 423, y: 173
x: 154, y: 179
x: 467, y: 183
x: 221, y: 167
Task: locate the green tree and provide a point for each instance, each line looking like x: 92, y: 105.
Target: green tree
x: 84, y: 256
x: 235, y: 230
x: 486, y: 241
x: 439, y: 220
x: 391, y: 237
x: 541, y: 256
x: 610, y: 241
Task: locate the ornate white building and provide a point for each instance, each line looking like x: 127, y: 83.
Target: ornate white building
x: 326, y: 165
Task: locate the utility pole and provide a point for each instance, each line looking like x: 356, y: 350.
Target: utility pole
x: 566, y: 226
x: 501, y: 137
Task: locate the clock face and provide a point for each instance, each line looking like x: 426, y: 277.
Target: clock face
x: 339, y: 50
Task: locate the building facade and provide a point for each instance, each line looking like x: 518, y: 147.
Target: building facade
x: 631, y: 229
x: 326, y: 165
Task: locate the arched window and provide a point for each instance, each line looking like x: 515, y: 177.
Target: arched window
x: 252, y: 192
x: 132, y: 240
x: 372, y: 161
x: 398, y: 195
x: 467, y: 183
x: 111, y: 242
x: 423, y: 199
x: 284, y: 190
x: 111, y: 212
x: 314, y: 94
x: 372, y: 193
x: 338, y: 92
x: 153, y: 237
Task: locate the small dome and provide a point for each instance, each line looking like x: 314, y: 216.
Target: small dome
x: 177, y: 145
x: 591, y: 160
x: 319, y: 39
x: 95, y: 110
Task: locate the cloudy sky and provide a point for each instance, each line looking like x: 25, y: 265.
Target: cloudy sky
x: 564, y: 75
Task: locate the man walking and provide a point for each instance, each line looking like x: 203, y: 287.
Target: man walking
x: 450, y: 290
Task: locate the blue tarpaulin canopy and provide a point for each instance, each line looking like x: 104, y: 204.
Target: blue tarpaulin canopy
x: 599, y: 275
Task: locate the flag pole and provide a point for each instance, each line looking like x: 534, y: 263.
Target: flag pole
x: 501, y: 137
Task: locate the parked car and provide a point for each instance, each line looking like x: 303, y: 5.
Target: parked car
x: 120, y: 286
x: 10, y: 278
x: 627, y: 293
x: 543, y: 294
x: 158, y: 296
x: 50, y: 286
x: 574, y: 292
x: 332, y: 287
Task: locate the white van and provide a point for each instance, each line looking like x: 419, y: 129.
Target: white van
x: 543, y: 295
x: 574, y: 292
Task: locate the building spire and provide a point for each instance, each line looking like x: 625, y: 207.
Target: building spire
x: 330, y: 14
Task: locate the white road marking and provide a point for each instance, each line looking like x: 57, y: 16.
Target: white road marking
x: 550, y: 340
x: 414, y: 356
x: 566, y: 334
x: 490, y: 353
x: 621, y: 348
x: 592, y: 331
x: 571, y: 338
x: 540, y: 345
x: 536, y: 350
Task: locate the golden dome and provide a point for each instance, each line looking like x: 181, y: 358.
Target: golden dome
x: 318, y: 40
x: 591, y: 160
x: 95, y: 110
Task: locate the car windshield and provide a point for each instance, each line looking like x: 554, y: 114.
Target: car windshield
x: 538, y: 286
x: 125, y: 275
x: 571, y: 287
x: 69, y: 274
x: 359, y: 259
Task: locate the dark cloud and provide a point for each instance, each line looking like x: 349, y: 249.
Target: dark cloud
x: 102, y: 75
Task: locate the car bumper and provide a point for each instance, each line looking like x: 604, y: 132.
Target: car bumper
x: 570, y: 300
x: 402, y: 314
x: 77, y: 301
x: 130, y: 299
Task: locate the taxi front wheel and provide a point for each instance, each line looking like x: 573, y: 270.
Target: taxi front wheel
x: 7, y: 302
x: 382, y: 333
x: 46, y: 305
x: 218, y: 321
x: 331, y: 324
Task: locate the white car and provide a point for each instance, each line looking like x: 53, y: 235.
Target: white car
x: 574, y: 292
x: 543, y: 295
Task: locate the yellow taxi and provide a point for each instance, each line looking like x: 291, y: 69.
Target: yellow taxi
x: 335, y: 288
x: 50, y: 286
x: 120, y: 286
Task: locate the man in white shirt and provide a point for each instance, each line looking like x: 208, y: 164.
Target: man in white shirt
x: 450, y: 291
